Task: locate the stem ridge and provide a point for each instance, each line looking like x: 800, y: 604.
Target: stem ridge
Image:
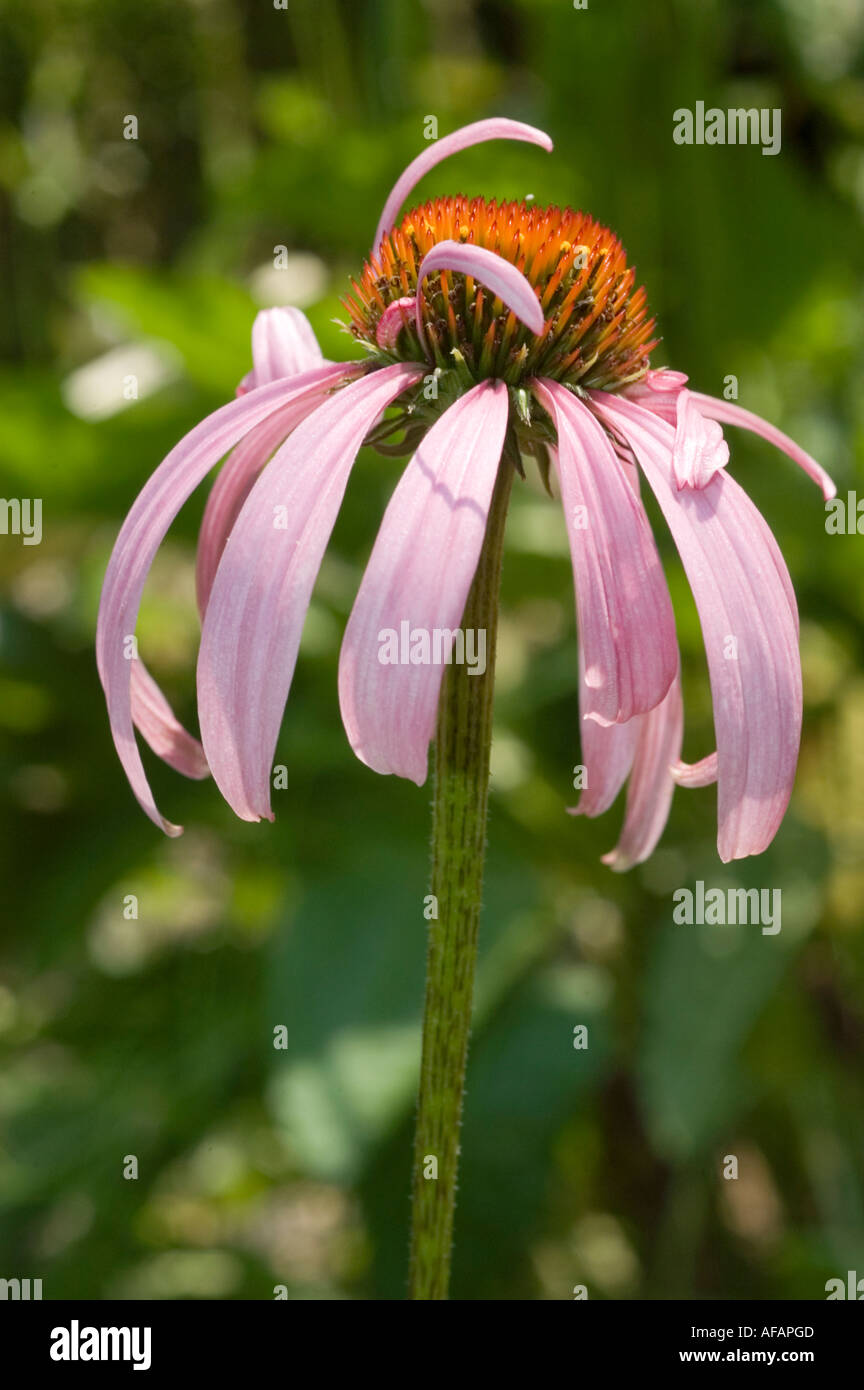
x: 462, y: 749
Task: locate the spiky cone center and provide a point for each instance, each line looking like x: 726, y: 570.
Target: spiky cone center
x: 597, y: 331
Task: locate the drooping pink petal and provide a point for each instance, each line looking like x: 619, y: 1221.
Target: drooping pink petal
x: 498, y: 275
x: 607, y: 756
x: 261, y: 592
x: 749, y: 623
x: 141, y: 535
x: 606, y: 749
x: 233, y: 485
x: 701, y: 774
x: 626, y: 624
x: 417, y: 581
x: 157, y: 723
x: 730, y: 414
x: 700, y: 450
x: 497, y: 128
x: 769, y: 542
x: 283, y: 344
x: 650, y: 789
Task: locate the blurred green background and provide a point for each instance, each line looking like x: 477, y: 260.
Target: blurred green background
x: 154, y: 1037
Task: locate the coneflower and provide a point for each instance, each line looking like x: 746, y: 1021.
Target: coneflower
x: 504, y: 334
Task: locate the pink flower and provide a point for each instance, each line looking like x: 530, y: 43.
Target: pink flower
x: 493, y: 329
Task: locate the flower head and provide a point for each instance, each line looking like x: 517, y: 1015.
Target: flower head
x: 588, y: 325
x: 500, y: 332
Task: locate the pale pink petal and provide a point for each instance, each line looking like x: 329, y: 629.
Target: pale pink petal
x: 701, y: 774
x: 283, y: 344
x: 497, y: 128
x: 700, y: 449
x: 262, y: 588
x: 151, y: 713
x: 419, y: 575
x: 607, y: 756
x: 649, y: 791
x: 626, y: 624
x: 141, y: 535
x: 606, y: 749
x: 730, y: 414
x: 233, y: 485
x: 749, y: 626
x: 498, y: 275
x: 770, y: 543
x: 155, y: 720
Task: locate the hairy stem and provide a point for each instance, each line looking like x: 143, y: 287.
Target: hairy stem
x: 462, y: 748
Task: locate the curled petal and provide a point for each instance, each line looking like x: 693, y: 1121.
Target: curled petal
x: 649, y: 792
x: 261, y: 592
x: 664, y: 379
x: 498, y: 275
x: 658, y: 391
x: 700, y: 450
x: 393, y: 320
x: 746, y: 607
x: 141, y: 535
x: 417, y: 581
x: 497, y: 128
x: 701, y: 774
x: 157, y: 723
x: 626, y: 624
x: 730, y: 414
x: 283, y: 344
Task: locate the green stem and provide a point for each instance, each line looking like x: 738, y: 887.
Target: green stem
x: 462, y: 747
